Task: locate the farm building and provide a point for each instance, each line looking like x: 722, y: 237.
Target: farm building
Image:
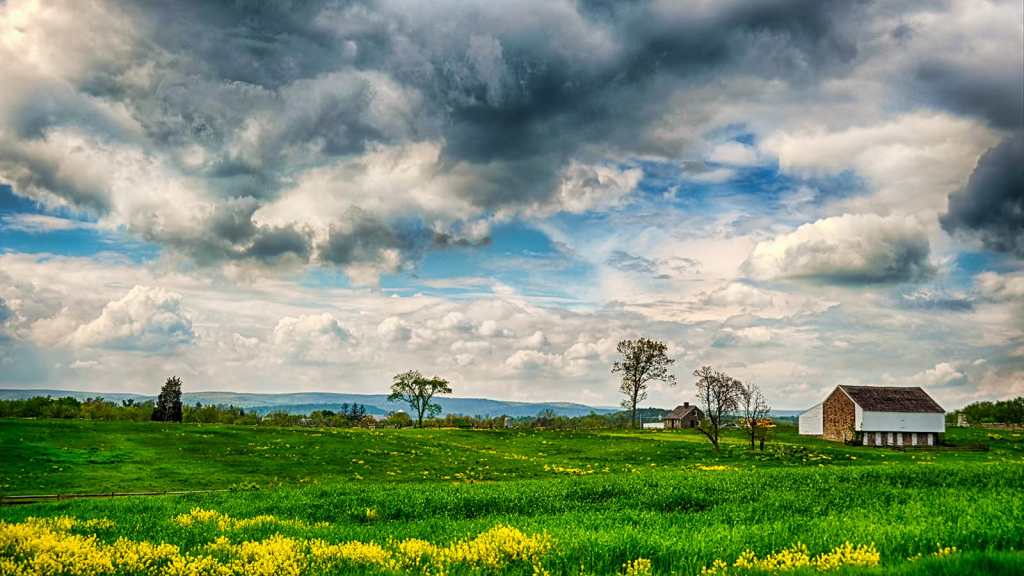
x: 876, y: 416
x: 684, y: 416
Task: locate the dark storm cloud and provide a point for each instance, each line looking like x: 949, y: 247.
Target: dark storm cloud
x: 229, y: 233
x: 670, y: 268
x: 266, y: 90
x: 994, y: 96
x: 362, y: 237
x: 937, y: 301
x: 555, y: 105
x: 992, y: 203
x: 629, y: 263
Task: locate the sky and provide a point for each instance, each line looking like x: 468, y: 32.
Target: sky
x: 314, y: 196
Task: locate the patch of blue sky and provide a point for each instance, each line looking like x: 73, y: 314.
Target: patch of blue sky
x: 72, y: 235
x: 519, y: 256
x: 324, y: 278
x: 757, y: 198
x: 770, y: 187
x: 967, y: 265
x: 11, y: 203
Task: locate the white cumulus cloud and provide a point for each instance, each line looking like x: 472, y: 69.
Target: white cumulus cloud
x: 146, y: 318
x: 847, y: 249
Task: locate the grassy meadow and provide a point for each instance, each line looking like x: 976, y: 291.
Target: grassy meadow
x: 354, y: 501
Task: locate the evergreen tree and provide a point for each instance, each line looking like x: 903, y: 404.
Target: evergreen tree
x: 168, y: 403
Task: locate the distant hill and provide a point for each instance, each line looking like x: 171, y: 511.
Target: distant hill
x: 305, y: 402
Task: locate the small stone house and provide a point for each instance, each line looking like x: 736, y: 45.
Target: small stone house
x: 876, y: 416
x: 684, y: 416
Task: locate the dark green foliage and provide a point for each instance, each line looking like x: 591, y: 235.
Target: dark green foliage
x: 168, y: 403
x: 414, y: 389
x: 1002, y: 411
x: 643, y: 361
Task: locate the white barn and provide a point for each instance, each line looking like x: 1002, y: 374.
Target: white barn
x: 876, y: 416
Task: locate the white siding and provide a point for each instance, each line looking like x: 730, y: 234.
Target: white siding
x: 812, y: 421
x: 858, y: 417
x: 904, y: 422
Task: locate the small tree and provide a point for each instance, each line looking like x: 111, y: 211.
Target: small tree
x: 168, y: 403
x: 642, y: 361
x: 546, y: 418
x: 717, y: 395
x: 398, y: 419
x: 411, y: 387
x: 755, y: 410
x: 763, y: 433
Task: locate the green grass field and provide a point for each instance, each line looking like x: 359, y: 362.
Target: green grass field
x: 509, y: 502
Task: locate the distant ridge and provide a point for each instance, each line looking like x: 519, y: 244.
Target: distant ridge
x: 305, y: 402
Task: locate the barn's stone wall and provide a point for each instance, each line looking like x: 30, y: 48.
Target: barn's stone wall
x: 838, y: 413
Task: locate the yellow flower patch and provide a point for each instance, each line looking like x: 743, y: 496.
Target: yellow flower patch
x: 199, y: 516
x: 47, y: 547
x: 797, y: 556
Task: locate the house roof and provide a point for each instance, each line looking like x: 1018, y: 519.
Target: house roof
x: 680, y: 412
x: 892, y: 399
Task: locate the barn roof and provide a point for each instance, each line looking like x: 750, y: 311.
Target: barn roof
x: 892, y: 399
x: 680, y: 412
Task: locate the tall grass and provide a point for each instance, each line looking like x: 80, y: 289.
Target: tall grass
x: 680, y: 521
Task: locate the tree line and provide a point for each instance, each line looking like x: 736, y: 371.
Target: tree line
x: 719, y: 397
x: 1000, y: 411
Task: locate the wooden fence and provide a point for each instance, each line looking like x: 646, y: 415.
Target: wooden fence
x: 1002, y: 426
x: 37, y: 498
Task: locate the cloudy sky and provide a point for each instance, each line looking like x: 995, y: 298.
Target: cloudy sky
x: 313, y: 196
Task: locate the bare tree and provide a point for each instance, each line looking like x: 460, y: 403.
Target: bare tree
x: 717, y: 395
x: 755, y: 410
x: 417, y: 391
x: 643, y: 360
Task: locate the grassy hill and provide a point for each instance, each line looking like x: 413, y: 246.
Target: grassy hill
x: 518, y: 502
